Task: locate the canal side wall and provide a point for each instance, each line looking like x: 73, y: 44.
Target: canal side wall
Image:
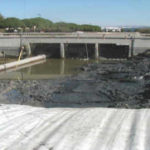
x: 12, y: 43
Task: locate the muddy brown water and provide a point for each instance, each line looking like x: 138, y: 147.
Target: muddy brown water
x: 51, y: 69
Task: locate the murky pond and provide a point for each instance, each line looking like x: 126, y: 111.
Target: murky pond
x: 52, y: 68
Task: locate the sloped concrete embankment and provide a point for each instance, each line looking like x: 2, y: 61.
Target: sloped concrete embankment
x: 29, y: 128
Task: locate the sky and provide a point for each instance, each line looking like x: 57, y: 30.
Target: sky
x: 99, y: 12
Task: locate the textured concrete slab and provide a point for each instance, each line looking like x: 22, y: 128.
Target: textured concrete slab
x: 29, y: 128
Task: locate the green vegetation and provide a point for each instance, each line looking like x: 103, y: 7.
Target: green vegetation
x: 45, y: 25
x: 1, y: 20
x: 1, y: 17
x: 143, y: 30
x: 40, y: 23
x: 12, y: 23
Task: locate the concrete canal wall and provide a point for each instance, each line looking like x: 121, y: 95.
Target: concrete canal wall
x: 63, y: 45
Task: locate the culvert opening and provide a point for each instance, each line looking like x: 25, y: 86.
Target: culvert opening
x: 50, y: 50
x: 114, y: 51
x: 79, y: 50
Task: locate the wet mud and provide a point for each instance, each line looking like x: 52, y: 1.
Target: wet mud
x: 109, y: 84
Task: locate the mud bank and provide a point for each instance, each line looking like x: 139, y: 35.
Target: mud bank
x: 110, y: 84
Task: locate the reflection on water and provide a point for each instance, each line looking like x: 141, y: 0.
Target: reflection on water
x: 52, y: 68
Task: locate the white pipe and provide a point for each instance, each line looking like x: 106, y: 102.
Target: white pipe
x: 21, y: 62
x: 23, y: 66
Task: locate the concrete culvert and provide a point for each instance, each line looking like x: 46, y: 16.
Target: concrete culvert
x: 114, y: 51
x: 50, y: 50
x: 79, y: 50
x: 145, y: 54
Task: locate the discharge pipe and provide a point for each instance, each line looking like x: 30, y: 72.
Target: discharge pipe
x: 22, y: 62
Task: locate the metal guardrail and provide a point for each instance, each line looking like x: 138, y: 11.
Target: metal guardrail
x: 77, y: 37
x: 33, y: 33
x: 70, y: 33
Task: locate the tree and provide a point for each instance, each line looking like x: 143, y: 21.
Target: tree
x: 143, y: 30
x: 40, y: 23
x: 12, y: 23
x: 89, y: 28
x: 1, y: 17
x: 1, y: 20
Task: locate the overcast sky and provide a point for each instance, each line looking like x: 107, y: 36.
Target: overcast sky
x: 100, y: 12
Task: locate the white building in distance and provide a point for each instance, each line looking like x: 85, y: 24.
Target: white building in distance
x: 112, y: 29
